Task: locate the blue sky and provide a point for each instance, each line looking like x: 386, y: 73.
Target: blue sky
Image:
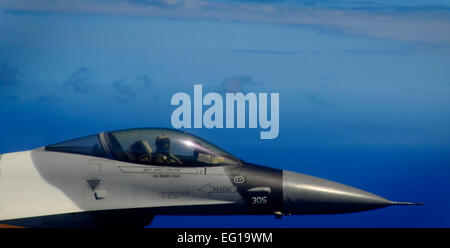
x: 364, y: 87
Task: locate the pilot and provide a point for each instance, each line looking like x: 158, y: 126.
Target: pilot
x: 141, y: 152
x: 163, y: 155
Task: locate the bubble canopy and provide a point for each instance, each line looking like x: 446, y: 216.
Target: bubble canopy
x: 149, y: 146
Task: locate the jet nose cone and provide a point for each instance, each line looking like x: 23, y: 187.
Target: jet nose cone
x: 303, y: 194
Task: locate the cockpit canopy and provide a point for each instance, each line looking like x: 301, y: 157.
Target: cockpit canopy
x: 148, y: 146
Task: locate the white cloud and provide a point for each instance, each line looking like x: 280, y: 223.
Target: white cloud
x: 421, y: 26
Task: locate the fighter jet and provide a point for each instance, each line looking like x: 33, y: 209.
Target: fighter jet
x: 126, y: 177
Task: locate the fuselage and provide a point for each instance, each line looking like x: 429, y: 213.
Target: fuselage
x: 110, y: 184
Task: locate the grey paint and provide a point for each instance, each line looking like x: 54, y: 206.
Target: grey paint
x: 109, y: 191
x: 303, y: 194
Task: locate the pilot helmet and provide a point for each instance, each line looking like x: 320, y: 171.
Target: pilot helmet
x: 162, y: 142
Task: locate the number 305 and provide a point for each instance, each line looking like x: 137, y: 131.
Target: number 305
x: 259, y: 199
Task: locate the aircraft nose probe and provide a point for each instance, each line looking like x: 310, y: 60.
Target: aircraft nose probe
x: 407, y: 203
x: 303, y: 194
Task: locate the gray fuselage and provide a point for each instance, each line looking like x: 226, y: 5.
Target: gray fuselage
x: 112, y: 184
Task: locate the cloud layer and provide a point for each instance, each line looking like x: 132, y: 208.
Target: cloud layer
x: 82, y: 80
x: 126, y: 91
x: 9, y: 76
x: 236, y: 84
x: 420, y: 24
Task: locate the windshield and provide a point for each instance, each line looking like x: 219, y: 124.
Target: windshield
x: 165, y: 147
x: 88, y: 145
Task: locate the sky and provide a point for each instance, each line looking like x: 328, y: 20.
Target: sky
x: 364, y: 88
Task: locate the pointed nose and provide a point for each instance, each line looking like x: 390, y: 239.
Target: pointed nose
x: 303, y: 194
